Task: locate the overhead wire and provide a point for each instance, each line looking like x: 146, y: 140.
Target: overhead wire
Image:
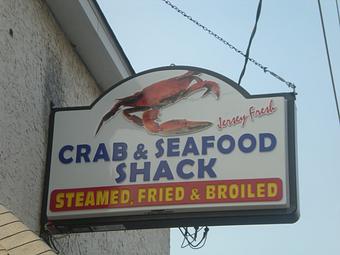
x: 265, y: 69
x: 258, y: 13
x: 337, y: 10
x: 329, y: 60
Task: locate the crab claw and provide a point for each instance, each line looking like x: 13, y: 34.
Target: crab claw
x: 212, y: 87
x: 172, y: 127
x: 178, y: 127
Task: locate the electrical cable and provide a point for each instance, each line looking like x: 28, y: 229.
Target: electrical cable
x: 221, y: 39
x: 52, y: 244
x: 193, y: 236
x: 258, y: 13
x: 329, y: 61
x: 337, y: 10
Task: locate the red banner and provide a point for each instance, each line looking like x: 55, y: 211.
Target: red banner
x: 179, y: 193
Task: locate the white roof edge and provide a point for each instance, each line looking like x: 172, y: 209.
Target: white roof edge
x: 88, y: 31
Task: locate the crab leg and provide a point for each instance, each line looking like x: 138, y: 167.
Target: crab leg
x: 108, y: 115
x: 130, y: 100
x: 211, y: 86
x: 172, y: 127
x: 134, y: 118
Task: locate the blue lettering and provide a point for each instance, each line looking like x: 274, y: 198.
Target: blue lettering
x: 207, y: 142
x: 206, y: 168
x: 271, y: 146
x: 121, y: 172
x: 159, y: 147
x: 142, y: 171
x: 230, y: 148
x: 62, y: 154
x: 101, y: 153
x: 190, y: 147
x: 163, y: 171
x: 119, y: 151
x: 180, y: 170
x: 173, y: 147
x: 252, y: 145
x: 83, y: 151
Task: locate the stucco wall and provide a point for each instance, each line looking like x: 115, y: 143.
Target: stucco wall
x: 37, y: 67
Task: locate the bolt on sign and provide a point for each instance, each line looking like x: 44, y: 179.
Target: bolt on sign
x: 172, y: 146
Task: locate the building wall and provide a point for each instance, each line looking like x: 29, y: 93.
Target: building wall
x: 38, y: 66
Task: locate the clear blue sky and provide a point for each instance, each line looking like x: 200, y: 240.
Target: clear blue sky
x: 289, y: 41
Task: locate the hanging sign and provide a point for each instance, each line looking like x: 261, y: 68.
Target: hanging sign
x: 173, y: 146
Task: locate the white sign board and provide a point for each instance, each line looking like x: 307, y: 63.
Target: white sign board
x: 175, y: 140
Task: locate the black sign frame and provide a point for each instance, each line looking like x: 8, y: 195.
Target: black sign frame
x: 166, y: 218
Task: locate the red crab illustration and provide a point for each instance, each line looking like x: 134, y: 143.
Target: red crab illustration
x: 160, y: 94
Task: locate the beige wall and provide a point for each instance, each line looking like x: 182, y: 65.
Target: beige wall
x: 38, y: 66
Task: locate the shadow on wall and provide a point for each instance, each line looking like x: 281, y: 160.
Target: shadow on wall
x: 53, y: 85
